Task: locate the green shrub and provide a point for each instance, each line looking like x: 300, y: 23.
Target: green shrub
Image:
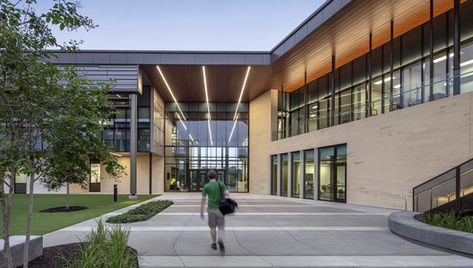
x: 450, y: 220
x: 105, y: 248
x: 141, y: 213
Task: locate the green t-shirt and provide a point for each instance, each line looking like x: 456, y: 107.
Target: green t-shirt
x: 212, y: 190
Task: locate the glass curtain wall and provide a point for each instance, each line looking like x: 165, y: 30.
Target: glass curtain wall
x: 402, y: 83
x: 296, y: 174
x: 117, y: 132
x: 274, y: 174
x: 309, y: 173
x: 194, y: 145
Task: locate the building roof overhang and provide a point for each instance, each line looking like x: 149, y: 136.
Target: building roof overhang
x: 339, y: 27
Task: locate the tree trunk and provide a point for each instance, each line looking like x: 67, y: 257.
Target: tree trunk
x: 67, y: 196
x: 26, y: 251
x: 5, y: 202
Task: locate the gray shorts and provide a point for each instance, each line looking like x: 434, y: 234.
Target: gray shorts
x: 216, y: 218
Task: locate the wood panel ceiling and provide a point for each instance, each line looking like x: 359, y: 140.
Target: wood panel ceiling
x: 224, y: 82
x: 346, y: 34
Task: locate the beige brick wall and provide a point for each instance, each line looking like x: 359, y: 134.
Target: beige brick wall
x: 388, y: 154
x: 262, y: 111
x: 124, y: 181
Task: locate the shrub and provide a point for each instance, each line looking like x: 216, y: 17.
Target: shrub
x: 105, y: 248
x: 450, y: 220
x: 141, y: 213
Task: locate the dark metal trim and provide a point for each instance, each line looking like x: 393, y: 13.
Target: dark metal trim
x: 332, y: 108
x: 456, y: 47
x: 431, y: 50
x: 391, y: 43
x: 150, y: 173
x: 370, y: 74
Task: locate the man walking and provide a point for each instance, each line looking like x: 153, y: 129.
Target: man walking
x: 213, y: 190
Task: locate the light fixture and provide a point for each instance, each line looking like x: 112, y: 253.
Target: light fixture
x: 387, y: 79
x: 170, y: 91
x: 192, y: 138
x: 444, y: 57
x: 208, y: 106
x: 233, y: 127
x: 184, y: 125
x: 463, y: 64
x: 235, y: 116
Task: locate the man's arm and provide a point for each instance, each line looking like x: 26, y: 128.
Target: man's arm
x: 202, y: 204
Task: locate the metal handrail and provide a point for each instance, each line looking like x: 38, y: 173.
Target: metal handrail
x: 453, y: 174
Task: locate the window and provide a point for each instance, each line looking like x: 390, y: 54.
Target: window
x: 274, y: 174
x: 284, y: 174
x: 332, y: 173
x: 466, y: 67
x: 309, y: 173
x: 412, y: 84
x: 296, y: 174
x: 359, y: 101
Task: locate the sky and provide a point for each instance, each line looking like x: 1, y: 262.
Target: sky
x: 233, y: 25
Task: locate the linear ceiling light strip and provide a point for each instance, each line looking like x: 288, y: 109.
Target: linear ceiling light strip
x: 208, y: 106
x: 235, y: 116
x: 170, y: 91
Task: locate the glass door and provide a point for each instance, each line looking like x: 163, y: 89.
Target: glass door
x: 341, y: 172
x: 332, y: 173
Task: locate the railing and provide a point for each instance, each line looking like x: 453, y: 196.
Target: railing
x: 447, y: 187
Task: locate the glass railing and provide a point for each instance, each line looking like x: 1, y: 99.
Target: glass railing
x: 445, y: 188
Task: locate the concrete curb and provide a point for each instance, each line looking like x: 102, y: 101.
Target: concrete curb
x: 405, y: 224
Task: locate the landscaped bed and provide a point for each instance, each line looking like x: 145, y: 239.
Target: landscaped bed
x: 44, y: 222
x: 451, y: 220
x: 141, y: 213
x: 102, y: 248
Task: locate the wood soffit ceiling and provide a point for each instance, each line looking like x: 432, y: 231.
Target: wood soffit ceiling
x: 346, y: 34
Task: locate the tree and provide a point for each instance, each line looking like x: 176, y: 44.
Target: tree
x: 45, y: 111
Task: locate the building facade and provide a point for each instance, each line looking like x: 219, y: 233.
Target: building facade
x: 347, y: 108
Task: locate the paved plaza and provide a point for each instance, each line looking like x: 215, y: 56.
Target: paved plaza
x: 270, y: 231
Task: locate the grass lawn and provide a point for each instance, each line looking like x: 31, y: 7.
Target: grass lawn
x: 45, y: 222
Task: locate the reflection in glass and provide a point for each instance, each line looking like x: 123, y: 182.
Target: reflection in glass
x: 466, y: 66
x: 309, y: 174
x: 274, y: 174
x: 296, y: 174
x: 412, y: 84
x: 332, y: 173
x: 191, y: 149
x: 284, y: 174
x: 325, y: 173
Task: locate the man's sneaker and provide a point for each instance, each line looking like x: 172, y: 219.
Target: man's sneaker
x: 214, y: 246
x: 221, y: 245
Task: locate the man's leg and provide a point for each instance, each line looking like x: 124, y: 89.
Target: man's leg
x: 221, y: 230
x: 213, y: 234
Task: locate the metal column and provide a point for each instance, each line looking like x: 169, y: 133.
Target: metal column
x: 456, y: 47
x: 316, y: 174
x: 133, y: 144
x: 302, y: 171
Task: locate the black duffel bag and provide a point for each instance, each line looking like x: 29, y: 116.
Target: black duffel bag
x: 227, y: 205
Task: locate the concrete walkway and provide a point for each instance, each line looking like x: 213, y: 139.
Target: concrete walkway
x: 270, y: 231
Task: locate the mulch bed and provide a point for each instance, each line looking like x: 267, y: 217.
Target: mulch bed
x: 56, y: 256
x: 64, y: 209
